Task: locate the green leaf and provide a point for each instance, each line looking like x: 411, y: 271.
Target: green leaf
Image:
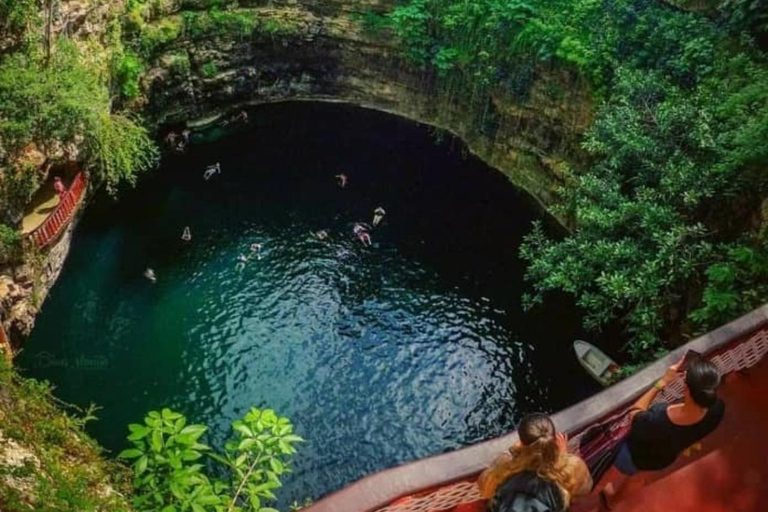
x: 141, y: 465
x: 194, y: 431
x: 156, y: 441
x: 130, y: 453
x: 138, y: 431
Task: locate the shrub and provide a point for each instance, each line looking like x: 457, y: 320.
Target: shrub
x: 735, y: 285
x: 169, y: 475
x: 155, y: 36
x: 127, y: 72
x: 218, y: 22
x: 179, y: 65
x: 117, y: 148
x: 64, y: 470
x: 209, y: 70
x: 10, y: 244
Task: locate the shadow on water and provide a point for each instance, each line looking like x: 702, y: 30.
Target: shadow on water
x: 380, y: 355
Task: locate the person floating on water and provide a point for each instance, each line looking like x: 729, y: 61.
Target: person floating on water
x: 150, y: 274
x: 242, y: 116
x: 256, y: 249
x: 211, y: 170
x: 321, y: 235
x: 361, y: 232
x: 187, y: 234
x: 378, y: 215
x: 343, y: 179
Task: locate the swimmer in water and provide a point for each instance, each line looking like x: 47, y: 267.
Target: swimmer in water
x: 361, y: 232
x: 343, y: 179
x: 321, y: 235
x: 150, y: 274
x: 211, y: 170
x: 256, y: 249
x: 378, y: 215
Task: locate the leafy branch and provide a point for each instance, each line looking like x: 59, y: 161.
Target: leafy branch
x: 168, y: 478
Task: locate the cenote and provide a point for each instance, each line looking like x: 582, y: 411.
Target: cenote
x: 380, y: 355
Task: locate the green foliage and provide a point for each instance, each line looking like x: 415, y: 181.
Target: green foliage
x: 179, y: 64
x: 738, y: 283
x: 750, y: 16
x: 127, y: 72
x: 169, y: 475
x: 16, y: 16
x: 66, y: 102
x: 677, y: 152
x: 667, y: 164
x: 240, y: 23
x: 117, y: 148
x: 10, y: 244
x: 62, y: 469
x: 373, y: 22
x: 209, y: 70
x: 276, y: 27
x: 158, y: 35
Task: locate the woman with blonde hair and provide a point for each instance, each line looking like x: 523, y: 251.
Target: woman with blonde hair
x: 537, y: 474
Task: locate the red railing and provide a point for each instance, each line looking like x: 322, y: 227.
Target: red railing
x: 52, y: 227
x: 443, y: 482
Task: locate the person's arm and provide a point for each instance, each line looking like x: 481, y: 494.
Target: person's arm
x: 644, y: 402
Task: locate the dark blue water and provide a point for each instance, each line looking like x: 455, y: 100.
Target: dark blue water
x: 379, y: 355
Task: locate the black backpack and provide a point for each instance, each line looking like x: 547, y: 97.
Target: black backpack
x: 526, y: 492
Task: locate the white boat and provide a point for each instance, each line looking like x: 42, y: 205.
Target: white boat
x: 594, y: 360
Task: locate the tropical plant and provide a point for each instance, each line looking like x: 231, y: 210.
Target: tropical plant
x: 60, y: 104
x: 676, y: 155
x: 10, y: 243
x: 736, y: 284
x: 209, y: 70
x: 169, y: 475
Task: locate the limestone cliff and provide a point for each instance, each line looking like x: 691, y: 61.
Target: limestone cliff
x: 321, y: 50
x: 203, y: 65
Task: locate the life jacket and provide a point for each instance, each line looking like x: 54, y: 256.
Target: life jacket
x: 527, y: 492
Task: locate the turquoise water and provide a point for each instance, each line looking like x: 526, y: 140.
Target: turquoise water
x: 379, y: 355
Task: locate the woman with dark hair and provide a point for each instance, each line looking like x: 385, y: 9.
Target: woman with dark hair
x: 537, y: 474
x: 660, y: 432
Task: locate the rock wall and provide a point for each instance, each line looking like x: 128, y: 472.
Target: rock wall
x: 317, y: 50
x: 321, y: 50
x: 24, y: 286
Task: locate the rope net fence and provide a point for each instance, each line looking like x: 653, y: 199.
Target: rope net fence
x: 739, y: 356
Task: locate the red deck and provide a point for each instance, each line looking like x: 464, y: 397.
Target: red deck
x: 728, y: 472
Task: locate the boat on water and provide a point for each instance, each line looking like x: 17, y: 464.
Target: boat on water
x: 594, y: 360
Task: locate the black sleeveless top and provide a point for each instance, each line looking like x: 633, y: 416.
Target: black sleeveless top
x: 655, y: 442
x: 526, y: 492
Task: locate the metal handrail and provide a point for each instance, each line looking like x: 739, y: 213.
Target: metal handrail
x: 54, y: 224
